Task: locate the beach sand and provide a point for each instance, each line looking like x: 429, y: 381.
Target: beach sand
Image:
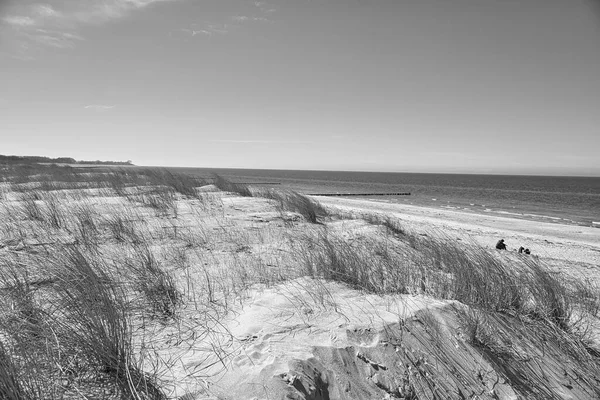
x: 572, y: 249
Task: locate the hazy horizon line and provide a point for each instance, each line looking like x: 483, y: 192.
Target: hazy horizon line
x: 377, y: 171
x: 395, y: 171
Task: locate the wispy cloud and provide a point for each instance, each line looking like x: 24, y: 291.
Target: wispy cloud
x: 19, y: 21
x: 205, y: 29
x: 245, y: 18
x: 57, y: 25
x: 264, y: 7
x: 99, y: 107
x: 102, y: 11
x: 52, y: 38
x: 257, y: 11
x: 45, y: 11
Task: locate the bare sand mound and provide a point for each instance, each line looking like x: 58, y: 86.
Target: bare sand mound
x: 309, y: 339
x: 208, y: 188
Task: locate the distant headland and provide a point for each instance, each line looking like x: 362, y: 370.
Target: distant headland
x: 60, y: 160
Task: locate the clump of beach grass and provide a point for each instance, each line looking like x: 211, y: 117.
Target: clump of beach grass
x: 30, y: 207
x: 153, y: 281
x: 289, y: 200
x: 229, y: 186
x: 74, y: 312
x: 100, y: 329
x: 16, y: 382
x: 367, y: 264
x: 161, y: 200
x: 179, y: 182
x: 440, y: 268
x: 391, y: 224
x: 30, y: 177
x: 121, y: 223
x: 74, y: 323
x: 85, y: 224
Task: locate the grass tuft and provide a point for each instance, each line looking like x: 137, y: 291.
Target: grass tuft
x: 228, y: 186
x: 154, y: 282
x: 99, y: 328
x: 392, y: 225
x: 444, y: 269
x: 161, y: 200
x: 289, y: 200
x: 123, y: 229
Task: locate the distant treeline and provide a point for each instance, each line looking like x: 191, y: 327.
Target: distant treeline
x: 59, y: 160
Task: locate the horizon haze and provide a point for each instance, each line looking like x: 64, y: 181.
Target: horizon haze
x: 432, y: 86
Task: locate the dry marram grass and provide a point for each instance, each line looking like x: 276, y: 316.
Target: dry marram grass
x: 112, y: 277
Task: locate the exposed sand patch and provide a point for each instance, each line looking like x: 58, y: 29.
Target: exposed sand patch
x: 285, y: 323
x: 344, y: 344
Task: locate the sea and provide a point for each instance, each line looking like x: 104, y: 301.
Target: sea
x: 562, y: 200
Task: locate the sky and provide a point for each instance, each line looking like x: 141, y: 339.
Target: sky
x: 461, y: 86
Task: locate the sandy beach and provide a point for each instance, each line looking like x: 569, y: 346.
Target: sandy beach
x: 556, y: 243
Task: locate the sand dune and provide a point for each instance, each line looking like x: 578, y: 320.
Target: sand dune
x: 314, y: 339
x: 233, y: 298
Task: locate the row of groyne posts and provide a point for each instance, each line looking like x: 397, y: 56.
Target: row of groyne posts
x: 334, y: 194
x: 361, y: 194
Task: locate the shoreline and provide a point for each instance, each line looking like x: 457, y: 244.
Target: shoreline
x: 554, y: 242
x: 526, y: 214
x: 565, y: 200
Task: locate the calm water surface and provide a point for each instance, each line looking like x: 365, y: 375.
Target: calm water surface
x: 567, y: 200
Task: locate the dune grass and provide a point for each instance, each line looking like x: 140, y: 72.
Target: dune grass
x: 397, y: 261
x: 289, y: 200
x: 71, y: 312
x: 392, y: 225
x: 162, y: 200
x: 97, y: 262
x: 157, y: 285
x: 47, y: 178
x: 74, y: 323
x: 229, y: 186
x: 101, y: 330
x: 286, y: 200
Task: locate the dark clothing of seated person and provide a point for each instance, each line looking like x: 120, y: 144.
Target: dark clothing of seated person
x: 501, y: 245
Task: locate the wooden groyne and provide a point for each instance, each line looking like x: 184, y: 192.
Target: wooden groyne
x: 257, y: 183
x: 253, y: 183
x: 361, y: 194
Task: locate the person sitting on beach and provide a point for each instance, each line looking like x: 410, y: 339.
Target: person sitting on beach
x: 501, y: 245
x: 521, y: 249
